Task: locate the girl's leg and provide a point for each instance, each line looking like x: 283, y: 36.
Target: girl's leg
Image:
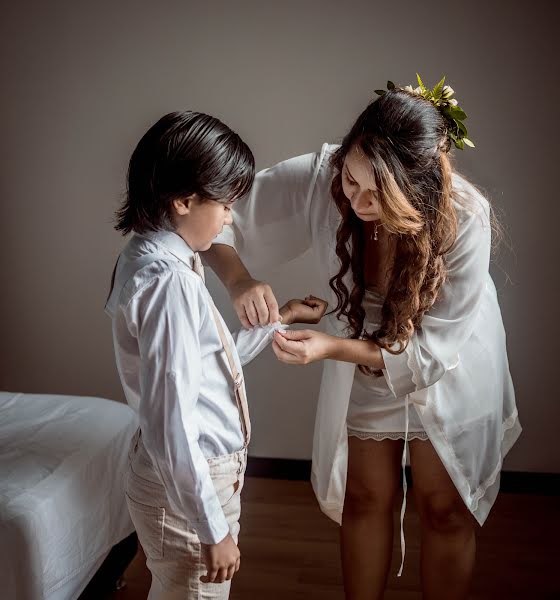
x: 367, y: 520
x: 447, y: 526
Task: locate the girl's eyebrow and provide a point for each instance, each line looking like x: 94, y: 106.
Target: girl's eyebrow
x: 353, y: 178
x: 348, y: 172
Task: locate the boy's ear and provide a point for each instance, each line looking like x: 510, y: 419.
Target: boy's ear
x: 182, y: 206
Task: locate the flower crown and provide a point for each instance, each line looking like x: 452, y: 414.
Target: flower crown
x: 442, y: 98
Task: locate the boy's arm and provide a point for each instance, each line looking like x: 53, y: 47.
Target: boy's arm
x: 251, y: 342
x: 166, y: 314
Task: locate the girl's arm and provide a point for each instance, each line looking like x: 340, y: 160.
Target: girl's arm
x: 271, y: 226
x: 251, y: 342
x: 304, y: 346
x: 253, y: 300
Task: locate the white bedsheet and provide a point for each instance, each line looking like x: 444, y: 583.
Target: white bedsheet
x: 62, y: 504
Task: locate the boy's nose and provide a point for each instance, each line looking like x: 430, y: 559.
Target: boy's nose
x: 229, y: 219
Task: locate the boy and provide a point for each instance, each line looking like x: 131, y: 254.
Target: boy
x: 180, y: 368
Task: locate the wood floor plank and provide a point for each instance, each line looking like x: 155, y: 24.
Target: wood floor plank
x: 290, y: 550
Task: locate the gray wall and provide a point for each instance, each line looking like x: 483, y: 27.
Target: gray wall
x: 82, y: 82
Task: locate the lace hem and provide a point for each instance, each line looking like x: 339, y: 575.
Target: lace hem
x: 387, y: 435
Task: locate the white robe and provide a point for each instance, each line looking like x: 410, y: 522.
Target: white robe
x: 455, y: 369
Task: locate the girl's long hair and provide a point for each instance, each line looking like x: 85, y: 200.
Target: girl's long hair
x: 403, y: 136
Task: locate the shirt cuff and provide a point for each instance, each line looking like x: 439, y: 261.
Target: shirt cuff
x: 212, y: 531
x: 251, y: 342
x: 398, y: 374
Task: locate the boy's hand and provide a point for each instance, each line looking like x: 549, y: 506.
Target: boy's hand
x: 222, y: 560
x: 309, y: 310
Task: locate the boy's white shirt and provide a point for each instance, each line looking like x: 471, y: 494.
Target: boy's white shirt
x: 175, y: 373
x: 455, y: 370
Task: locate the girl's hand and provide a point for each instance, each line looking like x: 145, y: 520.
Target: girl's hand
x: 302, y: 346
x: 309, y: 310
x: 254, y: 303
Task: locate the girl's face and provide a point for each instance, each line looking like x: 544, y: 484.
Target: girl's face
x: 359, y: 187
x: 199, y: 222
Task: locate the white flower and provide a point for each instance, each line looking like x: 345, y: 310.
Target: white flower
x: 408, y: 88
x: 453, y: 102
x: 418, y: 90
x: 447, y: 91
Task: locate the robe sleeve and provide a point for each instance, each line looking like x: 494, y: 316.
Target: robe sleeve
x: 271, y: 225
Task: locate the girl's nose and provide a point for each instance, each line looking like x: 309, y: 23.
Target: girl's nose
x: 361, y: 201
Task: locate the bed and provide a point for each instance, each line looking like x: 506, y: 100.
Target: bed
x: 63, y: 461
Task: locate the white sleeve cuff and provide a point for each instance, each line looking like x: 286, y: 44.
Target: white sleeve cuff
x: 212, y: 531
x: 398, y: 374
x: 251, y: 342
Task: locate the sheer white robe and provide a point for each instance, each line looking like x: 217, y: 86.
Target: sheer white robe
x: 455, y: 369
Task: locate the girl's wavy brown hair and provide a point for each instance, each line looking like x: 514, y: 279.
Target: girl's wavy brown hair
x: 404, y: 138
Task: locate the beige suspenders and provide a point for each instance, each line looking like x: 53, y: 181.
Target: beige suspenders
x: 239, y: 390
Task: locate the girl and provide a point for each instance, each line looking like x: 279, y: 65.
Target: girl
x: 415, y: 348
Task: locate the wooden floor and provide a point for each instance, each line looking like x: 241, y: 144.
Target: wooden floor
x: 290, y: 550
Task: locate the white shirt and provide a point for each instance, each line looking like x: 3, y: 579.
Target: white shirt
x: 175, y: 373
x: 455, y: 369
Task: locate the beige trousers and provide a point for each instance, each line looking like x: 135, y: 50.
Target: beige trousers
x: 171, y: 545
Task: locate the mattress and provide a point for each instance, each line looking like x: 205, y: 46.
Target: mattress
x: 63, y: 461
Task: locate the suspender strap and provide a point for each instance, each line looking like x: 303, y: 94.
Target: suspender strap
x: 237, y: 380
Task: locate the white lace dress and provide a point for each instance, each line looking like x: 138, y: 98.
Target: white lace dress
x: 373, y: 410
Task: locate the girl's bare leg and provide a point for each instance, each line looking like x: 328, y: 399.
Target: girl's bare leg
x: 448, y: 537
x: 367, y: 521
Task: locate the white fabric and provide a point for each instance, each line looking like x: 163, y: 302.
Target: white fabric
x: 175, y: 372
x: 63, y: 460
x: 405, y: 485
x: 237, y: 378
x: 455, y: 370
x: 373, y: 408
x: 395, y: 435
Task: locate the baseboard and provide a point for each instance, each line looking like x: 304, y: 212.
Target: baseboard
x: 512, y: 482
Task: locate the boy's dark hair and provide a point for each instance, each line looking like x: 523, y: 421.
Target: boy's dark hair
x: 184, y: 153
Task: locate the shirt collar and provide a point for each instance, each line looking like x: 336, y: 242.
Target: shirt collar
x: 173, y: 243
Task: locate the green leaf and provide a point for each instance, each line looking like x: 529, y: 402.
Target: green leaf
x: 452, y: 126
x: 438, y: 90
x: 421, y: 83
x: 390, y: 85
x: 460, y: 144
x: 380, y: 92
x: 468, y: 142
x: 456, y: 113
x: 462, y: 128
